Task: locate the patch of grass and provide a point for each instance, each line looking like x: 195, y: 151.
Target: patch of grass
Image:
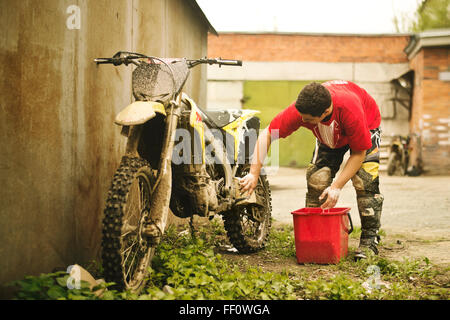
x: 378, y: 278
x: 184, y: 267
x: 189, y: 267
x: 54, y: 286
x: 339, y: 287
x: 281, y: 242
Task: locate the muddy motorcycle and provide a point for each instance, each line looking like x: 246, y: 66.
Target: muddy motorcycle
x: 403, y: 160
x: 178, y: 157
x: 398, y: 156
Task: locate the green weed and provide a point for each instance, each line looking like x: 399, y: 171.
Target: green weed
x: 184, y: 267
x: 188, y: 267
x: 281, y: 242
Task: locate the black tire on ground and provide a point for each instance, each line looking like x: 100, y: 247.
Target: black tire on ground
x: 246, y: 234
x: 126, y: 256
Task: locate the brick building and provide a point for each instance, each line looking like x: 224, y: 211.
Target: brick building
x: 428, y: 53
x: 276, y: 67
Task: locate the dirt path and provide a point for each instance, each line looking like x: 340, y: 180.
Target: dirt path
x: 416, y: 212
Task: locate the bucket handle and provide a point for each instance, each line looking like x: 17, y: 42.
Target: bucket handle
x: 351, y: 223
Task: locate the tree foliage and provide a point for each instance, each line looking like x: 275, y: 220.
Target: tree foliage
x: 432, y: 14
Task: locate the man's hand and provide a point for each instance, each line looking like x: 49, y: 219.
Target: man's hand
x: 248, y: 183
x: 332, y: 195
x: 352, y: 166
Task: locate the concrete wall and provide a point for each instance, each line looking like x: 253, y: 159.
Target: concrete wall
x: 60, y: 147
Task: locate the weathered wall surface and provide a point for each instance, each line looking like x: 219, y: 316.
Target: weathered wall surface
x: 59, y: 146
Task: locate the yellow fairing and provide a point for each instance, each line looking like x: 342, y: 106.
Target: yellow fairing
x: 139, y: 112
x: 196, y: 122
x: 235, y: 128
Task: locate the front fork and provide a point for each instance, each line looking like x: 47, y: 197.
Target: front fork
x: 154, y: 226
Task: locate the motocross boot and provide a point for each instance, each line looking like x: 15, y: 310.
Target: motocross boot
x: 370, y: 203
x: 367, y: 246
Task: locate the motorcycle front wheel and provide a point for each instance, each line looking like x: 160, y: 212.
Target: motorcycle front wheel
x: 248, y: 227
x: 126, y: 255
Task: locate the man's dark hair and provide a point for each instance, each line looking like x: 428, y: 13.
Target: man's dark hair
x: 314, y: 99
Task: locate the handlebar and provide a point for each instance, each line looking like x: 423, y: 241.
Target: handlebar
x: 121, y: 57
x: 124, y: 57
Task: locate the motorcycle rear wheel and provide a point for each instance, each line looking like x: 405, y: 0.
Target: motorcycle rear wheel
x: 245, y: 233
x: 126, y: 254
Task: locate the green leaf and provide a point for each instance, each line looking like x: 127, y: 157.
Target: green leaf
x: 76, y: 297
x: 227, y: 285
x: 108, y: 295
x: 62, y: 281
x: 56, y: 292
x: 264, y: 296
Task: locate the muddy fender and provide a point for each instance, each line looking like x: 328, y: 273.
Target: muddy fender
x: 139, y: 112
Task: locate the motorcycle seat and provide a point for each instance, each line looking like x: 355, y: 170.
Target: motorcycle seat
x: 223, y: 117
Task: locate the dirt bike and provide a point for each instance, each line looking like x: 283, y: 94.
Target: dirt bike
x: 402, y: 160
x: 398, y: 156
x: 178, y: 157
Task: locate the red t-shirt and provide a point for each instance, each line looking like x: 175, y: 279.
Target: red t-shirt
x: 355, y: 112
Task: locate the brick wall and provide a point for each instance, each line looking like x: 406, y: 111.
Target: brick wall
x: 431, y: 108
x: 318, y: 48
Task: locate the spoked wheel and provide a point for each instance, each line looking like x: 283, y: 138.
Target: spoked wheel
x: 126, y: 253
x: 248, y: 226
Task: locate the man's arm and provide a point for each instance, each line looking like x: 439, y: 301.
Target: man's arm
x: 284, y: 124
x: 352, y: 166
x: 249, y: 182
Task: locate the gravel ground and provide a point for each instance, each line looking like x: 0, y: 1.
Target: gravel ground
x: 415, y: 209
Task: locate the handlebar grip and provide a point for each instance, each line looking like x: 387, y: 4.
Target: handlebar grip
x: 237, y: 63
x: 114, y: 61
x: 102, y: 60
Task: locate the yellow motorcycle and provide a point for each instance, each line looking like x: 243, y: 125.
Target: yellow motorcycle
x: 178, y: 157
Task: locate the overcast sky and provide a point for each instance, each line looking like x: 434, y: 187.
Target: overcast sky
x: 315, y: 16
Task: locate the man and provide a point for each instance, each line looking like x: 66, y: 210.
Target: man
x: 343, y: 117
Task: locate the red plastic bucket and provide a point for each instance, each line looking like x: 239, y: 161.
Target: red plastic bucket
x: 321, y: 236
